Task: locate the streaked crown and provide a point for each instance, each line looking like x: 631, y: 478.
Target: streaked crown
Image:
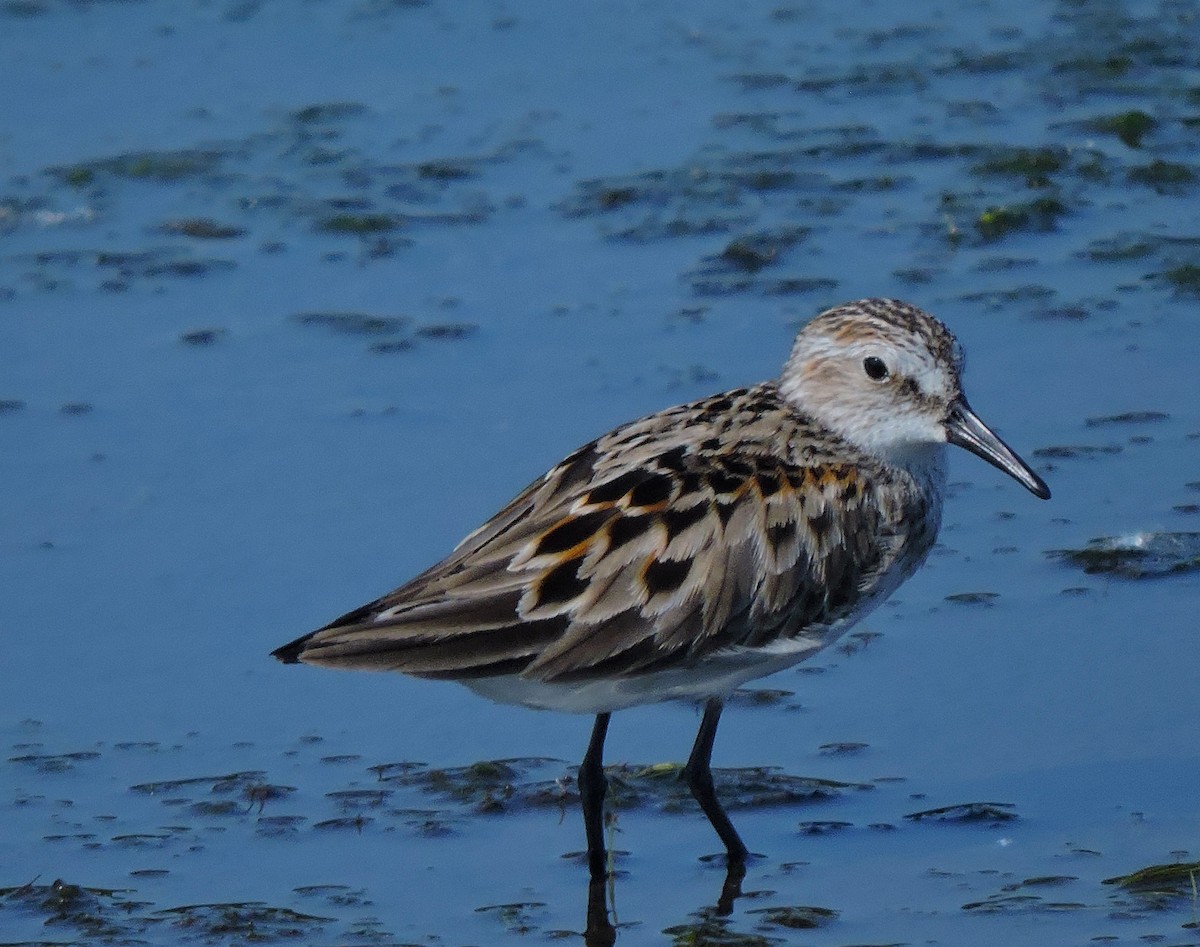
x: 880, y: 373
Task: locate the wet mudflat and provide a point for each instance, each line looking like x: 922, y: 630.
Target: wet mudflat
x: 290, y: 300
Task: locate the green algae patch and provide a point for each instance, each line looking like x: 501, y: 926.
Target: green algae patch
x: 710, y: 929
x: 737, y: 267
x: 85, y: 914
x: 991, y: 813
x: 392, y: 333
x: 24, y: 9
x: 985, y: 599
x: 189, y: 268
x: 353, y: 323
x: 749, y: 787
x: 750, y: 253
x: 54, y: 762
x: 1178, y: 878
x: 1127, y: 417
x: 517, y: 917
x: 604, y: 198
x: 447, y: 170
x: 1038, y: 215
x: 1095, y: 67
x: 754, y: 251
x: 484, y: 787
x: 359, y: 225
x: 243, y: 791
x: 253, y: 921
x: 1048, y: 881
x: 514, y: 785
x: 824, y: 826
x: 447, y: 331
x: 352, y: 800
x: 763, y: 697
x: 393, y: 345
x: 218, y: 807
x: 1184, y: 279
x: 1159, y: 888
x: 353, y: 823
x: 1076, y: 451
x: 1166, y: 177
x: 795, y: 917
x: 705, y: 197
x: 1130, y: 127
x: 1016, y: 904
x: 202, y: 228
x: 202, y: 337
x: 1137, y: 556
x: 842, y: 748
x: 93, y: 914
x: 156, y: 166
x: 325, y: 112
x: 1122, y: 247
x: 1035, y: 165
x: 78, y: 176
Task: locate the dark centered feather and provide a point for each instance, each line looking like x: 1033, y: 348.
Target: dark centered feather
x: 723, y: 523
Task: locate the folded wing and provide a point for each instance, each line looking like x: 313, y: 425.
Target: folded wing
x: 657, y: 545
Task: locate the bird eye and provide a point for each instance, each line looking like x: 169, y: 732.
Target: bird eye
x: 874, y: 367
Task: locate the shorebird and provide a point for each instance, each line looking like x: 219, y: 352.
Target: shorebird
x: 688, y: 552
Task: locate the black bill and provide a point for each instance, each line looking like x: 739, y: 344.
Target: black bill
x: 964, y: 428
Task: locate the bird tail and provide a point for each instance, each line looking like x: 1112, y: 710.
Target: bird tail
x: 290, y: 652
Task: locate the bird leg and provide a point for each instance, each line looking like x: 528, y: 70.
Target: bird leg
x: 592, y: 786
x: 700, y: 782
x: 599, y: 931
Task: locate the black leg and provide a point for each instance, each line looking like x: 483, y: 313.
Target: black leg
x: 592, y: 786
x: 600, y: 931
x: 731, y: 890
x: 700, y: 782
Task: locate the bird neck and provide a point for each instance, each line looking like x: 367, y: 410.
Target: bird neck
x: 925, y: 463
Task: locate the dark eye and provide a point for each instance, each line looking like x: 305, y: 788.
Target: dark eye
x: 874, y: 367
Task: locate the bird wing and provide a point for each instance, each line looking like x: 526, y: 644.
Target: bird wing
x: 689, y: 532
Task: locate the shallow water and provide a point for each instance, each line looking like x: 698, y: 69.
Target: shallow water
x: 291, y: 298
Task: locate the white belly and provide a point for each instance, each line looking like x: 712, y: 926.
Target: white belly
x: 717, y: 676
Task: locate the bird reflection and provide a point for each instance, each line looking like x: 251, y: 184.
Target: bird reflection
x: 601, y: 905
x: 599, y: 931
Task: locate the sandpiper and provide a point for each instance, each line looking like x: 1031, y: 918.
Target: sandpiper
x: 690, y: 551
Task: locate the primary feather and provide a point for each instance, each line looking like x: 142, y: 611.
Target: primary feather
x: 729, y: 523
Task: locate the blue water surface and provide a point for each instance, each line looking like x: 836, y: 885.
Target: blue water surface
x: 292, y: 296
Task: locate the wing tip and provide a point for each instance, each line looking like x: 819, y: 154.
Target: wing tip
x: 290, y: 653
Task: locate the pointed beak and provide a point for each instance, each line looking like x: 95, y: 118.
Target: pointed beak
x: 964, y: 428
